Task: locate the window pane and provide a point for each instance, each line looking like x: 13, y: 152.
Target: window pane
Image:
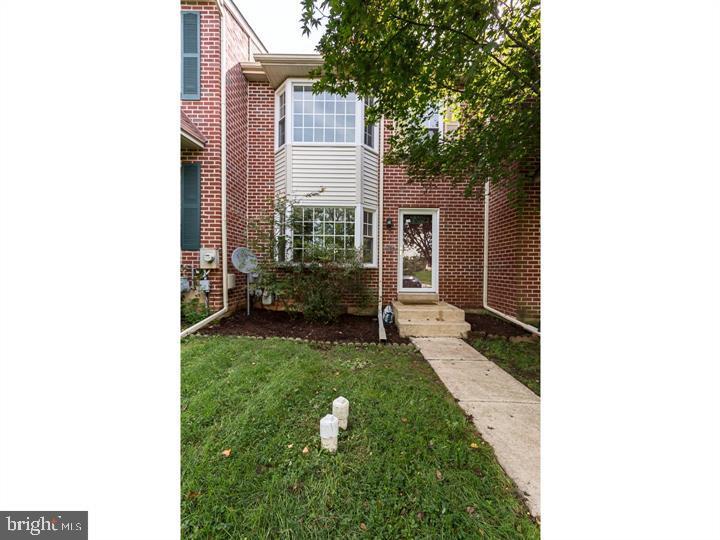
x: 349, y: 135
x: 322, y: 111
x: 297, y: 134
x: 367, y: 250
x: 281, y: 132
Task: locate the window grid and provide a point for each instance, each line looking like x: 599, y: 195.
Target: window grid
x: 281, y: 121
x: 368, y: 237
x: 322, y: 117
x: 329, y: 227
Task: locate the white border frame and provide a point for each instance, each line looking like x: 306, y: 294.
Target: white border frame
x: 435, y: 213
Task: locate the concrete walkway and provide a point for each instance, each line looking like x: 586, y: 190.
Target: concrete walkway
x: 504, y: 411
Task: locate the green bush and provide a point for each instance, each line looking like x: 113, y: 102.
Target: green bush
x: 193, y: 311
x: 316, y: 286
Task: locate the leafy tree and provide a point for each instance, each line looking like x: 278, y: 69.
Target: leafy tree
x: 478, y: 60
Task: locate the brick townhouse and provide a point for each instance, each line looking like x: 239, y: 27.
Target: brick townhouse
x: 252, y: 130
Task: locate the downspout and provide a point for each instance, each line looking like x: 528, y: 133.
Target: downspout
x: 381, y: 143
x: 223, y: 183
x: 486, y: 248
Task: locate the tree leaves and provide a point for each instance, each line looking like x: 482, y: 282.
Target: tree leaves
x: 412, y: 56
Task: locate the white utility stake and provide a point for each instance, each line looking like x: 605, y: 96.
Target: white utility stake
x: 341, y: 409
x: 329, y: 432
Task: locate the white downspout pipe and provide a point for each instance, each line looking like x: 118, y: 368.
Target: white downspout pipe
x: 381, y: 143
x: 223, y: 183
x: 486, y: 248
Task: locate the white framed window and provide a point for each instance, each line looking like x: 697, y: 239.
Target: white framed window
x: 331, y: 227
x: 369, y: 129
x: 324, y: 117
x: 433, y: 122
x: 368, y: 237
x: 281, y: 119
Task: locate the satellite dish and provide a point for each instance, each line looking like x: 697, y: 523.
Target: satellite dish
x: 244, y: 260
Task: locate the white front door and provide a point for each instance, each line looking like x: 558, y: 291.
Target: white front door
x: 418, y: 250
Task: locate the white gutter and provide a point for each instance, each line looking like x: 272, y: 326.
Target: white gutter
x: 486, y: 248
x: 381, y: 143
x: 223, y: 183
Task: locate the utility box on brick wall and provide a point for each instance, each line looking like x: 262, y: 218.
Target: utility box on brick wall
x: 209, y: 258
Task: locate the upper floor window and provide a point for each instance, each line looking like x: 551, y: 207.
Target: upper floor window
x: 432, y: 123
x: 323, y: 117
x: 369, y: 131
x: 281, y: 119
x: 190, y: 87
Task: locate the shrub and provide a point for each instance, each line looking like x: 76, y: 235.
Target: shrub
x: 193, y: 311
x: 314, y: 287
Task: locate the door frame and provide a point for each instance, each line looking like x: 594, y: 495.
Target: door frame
x: 435, y: 213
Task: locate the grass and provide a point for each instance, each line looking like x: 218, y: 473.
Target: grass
x: 521, y: 360
x: 425, y: 276
x: 410, y: 464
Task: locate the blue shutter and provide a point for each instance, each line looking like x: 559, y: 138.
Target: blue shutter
x: 190, y: 55
x: 190, y: 207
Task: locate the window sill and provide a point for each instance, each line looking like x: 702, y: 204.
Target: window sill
x: 366, y: 147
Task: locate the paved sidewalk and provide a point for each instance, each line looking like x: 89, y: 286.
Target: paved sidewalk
x: 504, y: 411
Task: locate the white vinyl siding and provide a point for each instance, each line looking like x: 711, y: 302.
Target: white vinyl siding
x: 332, y: 169
x: 280, y: 171
x: 370, y: 173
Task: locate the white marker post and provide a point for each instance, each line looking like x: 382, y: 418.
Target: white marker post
x: 341, y: 409
x: 329, y: 432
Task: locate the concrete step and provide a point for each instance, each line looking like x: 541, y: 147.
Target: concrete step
x: 418, y: 298
x: 442, y: 311
x: 415, y: 328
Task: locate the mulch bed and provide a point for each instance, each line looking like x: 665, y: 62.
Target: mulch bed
x: 484, y: 325
x: 266, y: 323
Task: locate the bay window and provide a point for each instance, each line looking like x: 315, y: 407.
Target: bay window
x: 327, y: 163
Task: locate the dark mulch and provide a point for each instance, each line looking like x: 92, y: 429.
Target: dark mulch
x: 485, y: 324
x: 266, y: 323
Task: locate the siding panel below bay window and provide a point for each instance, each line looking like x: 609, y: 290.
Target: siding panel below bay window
x: 330, y: 168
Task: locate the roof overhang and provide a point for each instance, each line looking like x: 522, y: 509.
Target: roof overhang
x: 276, y: 68
x: 190, y: 136
x: 189, y: 142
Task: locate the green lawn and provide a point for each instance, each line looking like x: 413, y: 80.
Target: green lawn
x: 410, y: 464
x: 521, y: 360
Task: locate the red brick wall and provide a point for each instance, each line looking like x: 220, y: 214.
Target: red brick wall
x: 236, y: 90
x: 205, y: 113
x: 261, y: 152
x: 514, y: 254
x: 461, y: 234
